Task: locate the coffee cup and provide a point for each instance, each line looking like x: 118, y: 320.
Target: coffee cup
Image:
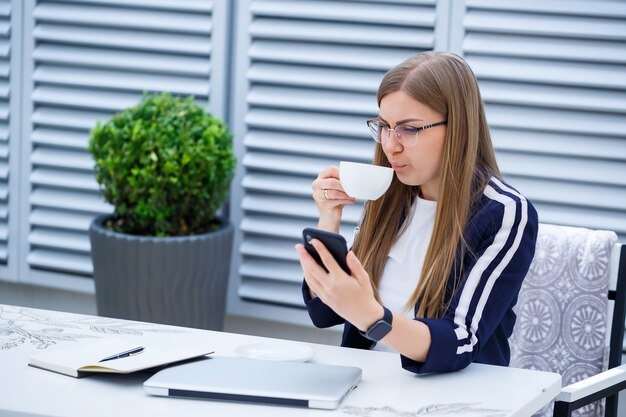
x: 364, y: 181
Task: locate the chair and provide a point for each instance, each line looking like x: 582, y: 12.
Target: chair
x: 570, y: 318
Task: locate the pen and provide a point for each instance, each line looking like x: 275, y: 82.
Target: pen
x: 124, y: 354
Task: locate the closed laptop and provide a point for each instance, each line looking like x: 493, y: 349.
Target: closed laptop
x: 258, y: 381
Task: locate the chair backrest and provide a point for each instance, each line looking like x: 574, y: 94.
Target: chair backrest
x: 563, y: 311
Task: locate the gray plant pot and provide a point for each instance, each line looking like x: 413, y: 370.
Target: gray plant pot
x: 172, y: 280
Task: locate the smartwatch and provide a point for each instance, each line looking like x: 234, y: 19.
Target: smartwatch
x: 380, y: 329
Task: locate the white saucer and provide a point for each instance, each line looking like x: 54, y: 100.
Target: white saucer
x: 290, y: 352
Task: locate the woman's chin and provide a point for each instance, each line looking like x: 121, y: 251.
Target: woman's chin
x: 406, y: 180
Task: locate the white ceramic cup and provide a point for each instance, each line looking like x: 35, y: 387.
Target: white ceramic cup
x: 364, y: 181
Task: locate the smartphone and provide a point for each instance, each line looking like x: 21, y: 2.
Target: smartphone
x: 335, y: 243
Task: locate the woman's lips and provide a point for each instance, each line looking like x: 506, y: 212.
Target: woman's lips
x: 397, y: 167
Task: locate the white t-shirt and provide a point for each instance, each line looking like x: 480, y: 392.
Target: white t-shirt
x: 404, y: 263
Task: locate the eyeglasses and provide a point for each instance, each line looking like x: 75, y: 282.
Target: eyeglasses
x: 407, y: 135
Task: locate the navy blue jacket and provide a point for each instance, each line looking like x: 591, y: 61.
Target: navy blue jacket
x: 501, y: 232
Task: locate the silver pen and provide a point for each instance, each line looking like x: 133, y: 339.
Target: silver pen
x: 124, y: 354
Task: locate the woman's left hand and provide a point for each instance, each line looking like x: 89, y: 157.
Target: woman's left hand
x: 350, y: 296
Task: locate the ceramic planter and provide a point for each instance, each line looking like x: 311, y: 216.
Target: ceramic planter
x: 173, y: 280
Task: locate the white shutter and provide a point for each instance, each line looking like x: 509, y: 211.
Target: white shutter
x: 553, y: 77
x: 90, y: 59
x: 5, y: 125
x: 310, y: 70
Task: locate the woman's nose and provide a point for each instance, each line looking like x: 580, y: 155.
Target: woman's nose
x: 391, y: 144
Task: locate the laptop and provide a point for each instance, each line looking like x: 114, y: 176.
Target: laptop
x: 257, y: 381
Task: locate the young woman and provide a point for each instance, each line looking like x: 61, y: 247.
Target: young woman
x: 439, y: 259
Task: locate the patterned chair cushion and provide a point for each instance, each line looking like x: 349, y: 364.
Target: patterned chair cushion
x: 562, y: 307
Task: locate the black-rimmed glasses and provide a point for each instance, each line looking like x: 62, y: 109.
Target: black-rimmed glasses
x: 407, y: 135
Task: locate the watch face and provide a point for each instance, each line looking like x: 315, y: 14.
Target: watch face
x: 379, y: 330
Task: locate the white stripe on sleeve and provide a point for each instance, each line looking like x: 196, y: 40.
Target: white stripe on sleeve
x: 503, y: 263
x: 484, y: 261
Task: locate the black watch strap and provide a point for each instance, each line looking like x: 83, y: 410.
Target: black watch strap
x: 380, y: 329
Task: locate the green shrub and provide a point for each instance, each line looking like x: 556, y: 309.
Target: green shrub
x: 165, y: 165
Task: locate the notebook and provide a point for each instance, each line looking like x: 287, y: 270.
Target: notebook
x: 78, y: 361
x: 258, y: 381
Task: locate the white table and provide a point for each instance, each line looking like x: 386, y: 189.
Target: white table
x: 386, y: 389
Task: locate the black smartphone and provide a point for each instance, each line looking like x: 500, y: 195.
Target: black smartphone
x: 335, y: 243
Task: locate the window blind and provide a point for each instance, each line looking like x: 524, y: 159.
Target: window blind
x: 90, y: 59
x: 5, y: 127
x: 553, y: 77
x: 311, y: 70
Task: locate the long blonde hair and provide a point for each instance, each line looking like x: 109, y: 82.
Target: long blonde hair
x: 444, y: 82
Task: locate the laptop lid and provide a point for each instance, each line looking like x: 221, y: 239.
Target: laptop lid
x: 258, y: 381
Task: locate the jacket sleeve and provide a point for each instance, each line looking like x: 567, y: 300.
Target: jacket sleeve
x: 321, y: 315
x: 487, y: 290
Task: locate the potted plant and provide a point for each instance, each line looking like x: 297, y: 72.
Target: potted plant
x: 163, y: 256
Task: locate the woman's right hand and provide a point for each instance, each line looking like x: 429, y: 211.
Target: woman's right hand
x: 330, y: 198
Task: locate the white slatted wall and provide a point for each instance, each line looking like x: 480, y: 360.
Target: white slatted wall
x: 5, y: 129
x: 90, y: 59
x: 553, y: 77
x: 312, y: 69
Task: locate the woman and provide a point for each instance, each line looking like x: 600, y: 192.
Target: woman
x: 439, y: 259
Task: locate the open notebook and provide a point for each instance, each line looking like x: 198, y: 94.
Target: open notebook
x: 81, y: 360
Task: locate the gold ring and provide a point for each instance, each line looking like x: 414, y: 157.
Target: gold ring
x: 326, y: 194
